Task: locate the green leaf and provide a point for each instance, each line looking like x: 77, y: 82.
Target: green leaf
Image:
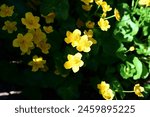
x: 138, y: 66
x: 145, y: 71
x: 127, y: 70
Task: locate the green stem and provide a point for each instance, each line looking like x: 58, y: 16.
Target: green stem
x: 133, y: 3
x: 110, y: 17
x: 128, y: 91
x: 136, y: 3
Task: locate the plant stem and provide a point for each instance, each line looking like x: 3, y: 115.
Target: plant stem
x: 128, y: 91
x: 110, y: 17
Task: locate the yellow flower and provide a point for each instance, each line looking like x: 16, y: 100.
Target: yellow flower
x: 89, y: 33
x: 24, y: 42
x: 30, y: 21
x: 38, y: 35
x: 90, y: 24
x: 144, y: 2
x: 87, y: 2
x: 37, y: 63
x: 132, y: 48
x: 84, y: 44
x: 44, y: 46
x: 105, y: 7
x: 74, y: 62
x: 6, y: 11
x: 105, y: 91
x: 138, y: 89
x: 104, y: 15
x: 50, y: 17
x: 98, y: 2
x: 48, y: 29
x: 73, y: 38
x: 87, y: 7
x: 117, y: 14
x: 103, y: 24
x: 10, y: 26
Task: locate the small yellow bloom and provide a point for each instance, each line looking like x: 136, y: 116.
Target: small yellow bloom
x: 89, y: 33
x: 90, y: 24
x: 48, y: 29
x: 103, y: 24
x: 98, y: 2
x: 73, y: 38
x: 117, y: 14
x: 144, y: 2
x: 50, y: 17
x: 132, y: 48
x: 37, y: 63
x: 138, y: 90
x: 74, y: 62
x: 30, y: 21
x: 38, y: 35
x: 84, y: 44
x: 87, y: 7
x: 105, y: 7
x: 10, y: 26
x: 24, y: 42
x: 6, y: 11
x: 87, y: 2
x: 105, y: 91
x: 104, y: 15
x: 44, y: 46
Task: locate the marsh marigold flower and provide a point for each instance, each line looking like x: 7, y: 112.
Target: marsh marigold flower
x: 90, y: 24
x: 9, y: 26
x: 30, y: 21
x: 117, y: 14
x: 50, y: 17
x: 37, y: 63
x: 44, y: 46
x: 84, y: 44
x: 38, y: 35
x: 138, y: 90
x: 105, y: 91
x: 73, y: 37
x: 103, y: 24
x: 89, y: 33
x: 87, y: 7
x: 144, y: 2
x: 98, y: 2
x: 24, y: 42
x: 105, y: 7
x: 74, y: 62
x: 6, y: 11
x: 48, y: 29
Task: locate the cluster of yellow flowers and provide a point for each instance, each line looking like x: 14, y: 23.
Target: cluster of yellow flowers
x: 144, y: 2
x: 34, y: 37
x: 82, y: 43
x: 108, y: 94
x: 103, y: 22
x: 6, y: 11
